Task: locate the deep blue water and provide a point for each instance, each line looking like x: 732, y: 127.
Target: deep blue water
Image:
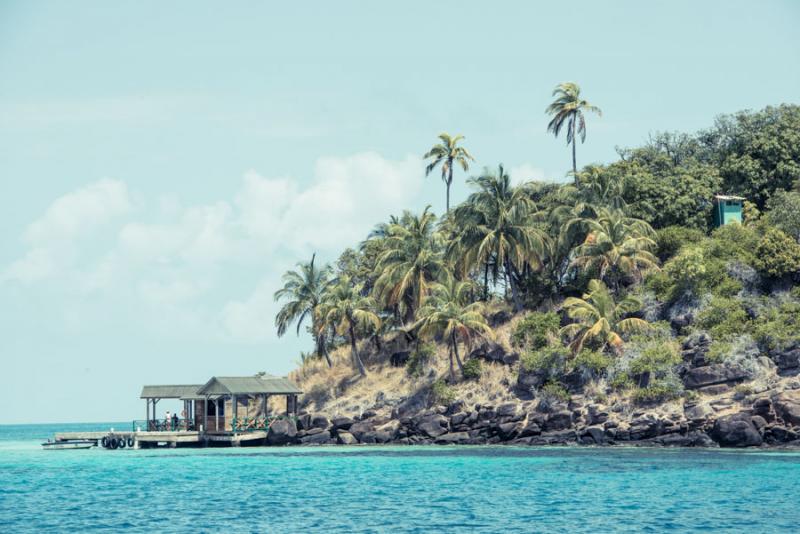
x: 392, y: 489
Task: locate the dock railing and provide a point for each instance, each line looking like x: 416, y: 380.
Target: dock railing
x: 163, y: 425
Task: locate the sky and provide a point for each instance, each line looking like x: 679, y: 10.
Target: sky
x: 162, y: 164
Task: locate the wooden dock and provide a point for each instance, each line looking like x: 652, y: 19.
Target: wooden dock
x: 169, y: 438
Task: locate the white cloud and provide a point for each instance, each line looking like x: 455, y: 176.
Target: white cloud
x: 527, y: 173
x: 220, y: 261
x: 250, y: 319
x: 78, y: 212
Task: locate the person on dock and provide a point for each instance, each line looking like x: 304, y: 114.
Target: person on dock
x: 167, y: 420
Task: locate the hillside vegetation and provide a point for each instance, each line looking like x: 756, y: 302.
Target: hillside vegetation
x: 611, y: 293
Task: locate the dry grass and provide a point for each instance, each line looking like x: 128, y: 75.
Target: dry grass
x: 340, y: 390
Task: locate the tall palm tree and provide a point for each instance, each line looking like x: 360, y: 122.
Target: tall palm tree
x: 496, y: 230
x: 345, y: 309
x: 616, y: 246
x: 447, y: 154
x: 599, y: 319
x: 568, y: 108
x: 410, y: 263
x: 448, y: 314
x: 303, y: 289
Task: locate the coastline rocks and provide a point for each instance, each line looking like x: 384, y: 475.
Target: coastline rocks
x: 736, y: 430
x: 453, y: 438
x: 346, y: 438
x: 281, y: 432
x: 432, y: 425
x: 343, y: 423
x: 787, y: 406
x: 787, y: 359
x: 317, y: 438
x: 712, y: 375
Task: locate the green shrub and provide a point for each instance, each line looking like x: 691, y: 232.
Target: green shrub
x: 472, y: 369
x: 655, y: 356
x: 778, y: 327
x: 554, y: 391
x: 660, y: 283
x: 732, y: 242
x: 550, y: 361
x: 672, y: 238
x: 621, y: 381
x: 783, y: 212
x: 658, y: 392
x: 594, y: 361
x: 415, y: 366
x: 727, y: 287
x: 718, y: 351
x: 442, y: 393
x: 777, y: 254
x: 724, y: 318
x: 687, y: 270
x: 535, y: 330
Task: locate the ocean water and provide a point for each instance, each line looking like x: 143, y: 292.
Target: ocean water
x: 392, y: 489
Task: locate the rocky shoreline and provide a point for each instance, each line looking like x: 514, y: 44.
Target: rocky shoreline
x: 765, y: 421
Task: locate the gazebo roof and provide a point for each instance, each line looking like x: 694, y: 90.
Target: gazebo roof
x: 169, y: 392
x: 248, y: 385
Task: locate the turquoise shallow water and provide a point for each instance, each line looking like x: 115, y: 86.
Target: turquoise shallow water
x: 392, y: 489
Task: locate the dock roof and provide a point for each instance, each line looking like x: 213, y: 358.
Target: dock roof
x: 248, y: 385
x: 169, y: 392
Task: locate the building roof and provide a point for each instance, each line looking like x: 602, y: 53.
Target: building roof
x: 728, y: 197
x: 169, y: 392
x: 248, y: 385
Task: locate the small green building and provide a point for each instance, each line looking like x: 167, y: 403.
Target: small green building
x: 727, y: 209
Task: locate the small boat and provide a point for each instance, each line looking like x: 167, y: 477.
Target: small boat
x: 69, y: 444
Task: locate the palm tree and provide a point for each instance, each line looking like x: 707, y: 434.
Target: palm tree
x: 496, y: 230
x: 599, y: 319
x: 448, y: 314
x: 568, y: 108
x: 410, y: 263
x: 616, y: 246
x: 447, y: 154
x: 303, y: 289
x: 345, y: 309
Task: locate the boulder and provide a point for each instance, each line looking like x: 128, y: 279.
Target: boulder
x: 736, y: 430
x: 507, y: 431
x: 499, y: 317
x: 711, y: 375
x: 304, y: 421
x: 556, y: 421
x: 433, y: 425
x: 342, y: 423
x: 494, y: 352
x: 317, y: 439
x: 787, y: 359
x: 698, y: 413
x: 453, y: 438
x: 787, y: 406
x: 531, y: 428
x: 509, y: 409
x: 529, y: 380
x: 763, y: 407
x: 400, y: 358
x: 346, y: 438
x: 319, y: 421
x: 281, y: 432
x: 595, y: 433
x: 362, y: 427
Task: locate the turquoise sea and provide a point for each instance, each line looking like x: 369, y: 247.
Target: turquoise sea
x: 391, y: 489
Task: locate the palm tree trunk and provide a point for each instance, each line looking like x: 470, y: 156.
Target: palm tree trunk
x: 452, y: 369
x: 455, y: 351
x: 574, y: 161
x: 354, y: 352
x: 449, y: 181
x: 512, y: 283
x: 322, y: 349
x: 486, y: 281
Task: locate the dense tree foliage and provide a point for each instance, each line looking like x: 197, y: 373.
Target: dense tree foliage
x: 594, y: 263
